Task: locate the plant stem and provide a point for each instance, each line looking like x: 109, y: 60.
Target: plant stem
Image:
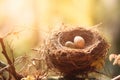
x: 12, y: 68
x: 116, y: 78
x: 4, y: 68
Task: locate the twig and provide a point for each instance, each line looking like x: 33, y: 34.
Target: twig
x: 2, y: 64
x: 97, y: 25
x: 12, y: 68
x: 4, y: 68
x: 116, y: 78
x: 4, y: 51
x: 102, y: 73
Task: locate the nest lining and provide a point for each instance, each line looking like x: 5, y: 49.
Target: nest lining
x: 76, y: 61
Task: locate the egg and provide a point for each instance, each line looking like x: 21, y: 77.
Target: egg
x: 79, y: 42
x: 69, y: 44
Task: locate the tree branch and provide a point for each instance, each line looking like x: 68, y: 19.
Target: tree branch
x: 2, y: 64
x: 12, y: 68
x: 116, y: 78
x: 4, y: 68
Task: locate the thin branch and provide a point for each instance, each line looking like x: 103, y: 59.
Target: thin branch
x: 116, y: 78
x: 12, y: 68
x: 2, y: 64
x: 4, y: 51
x: 4, y: 68
x: 101, y: 73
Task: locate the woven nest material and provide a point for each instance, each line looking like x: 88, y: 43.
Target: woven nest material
x: 76, y: 61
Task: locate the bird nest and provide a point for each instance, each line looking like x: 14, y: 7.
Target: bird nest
x: 72, y: 61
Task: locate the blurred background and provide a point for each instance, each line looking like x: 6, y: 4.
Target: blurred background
x: 34, y: 19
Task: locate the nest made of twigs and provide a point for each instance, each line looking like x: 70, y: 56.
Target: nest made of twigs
x: 76, y: 61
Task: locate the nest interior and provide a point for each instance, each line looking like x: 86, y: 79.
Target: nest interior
x: 76, y: 61
x: 69, y: 36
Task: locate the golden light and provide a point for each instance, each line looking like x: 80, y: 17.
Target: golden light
x: 36, y: 18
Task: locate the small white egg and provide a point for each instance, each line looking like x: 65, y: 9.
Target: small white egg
x: 69, y: 44
x: 79, y: 42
